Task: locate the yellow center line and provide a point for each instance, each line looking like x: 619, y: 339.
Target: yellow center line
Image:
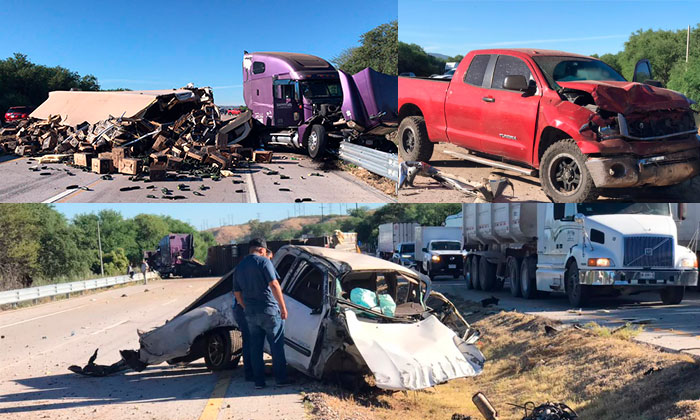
x: 78, y: 191
x: 211, y: 410
x: 14, y: 160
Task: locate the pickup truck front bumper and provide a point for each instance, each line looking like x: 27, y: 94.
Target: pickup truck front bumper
x: 632, y: 171
x: 639, y: 277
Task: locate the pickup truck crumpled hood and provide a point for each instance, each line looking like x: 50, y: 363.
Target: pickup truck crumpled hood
x: 629, y: 97
x: 413, y: 356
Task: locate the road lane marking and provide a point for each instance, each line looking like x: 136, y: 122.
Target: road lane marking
x: 252, y: 196
x: 78, y: 191
x: 39, y: 317
x: 60, y: 196
x: 14, y: 160
x: 168, y: 302
x: 211, y: 410
x: 110, y: 327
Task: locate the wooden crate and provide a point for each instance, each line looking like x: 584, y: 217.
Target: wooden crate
x: 83, y: 159
x: 130, y: 166
x: 102, y: 165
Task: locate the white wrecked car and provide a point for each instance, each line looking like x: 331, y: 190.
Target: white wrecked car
x: 410, y: 338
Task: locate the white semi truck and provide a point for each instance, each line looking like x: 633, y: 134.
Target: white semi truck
x: 687, y: 217
x: 582, y: 250
x: 439, y: 250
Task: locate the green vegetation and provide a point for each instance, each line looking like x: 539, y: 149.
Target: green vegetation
x: 378, y: 50
x: 412, y: 58
x: 625, y: 332
x: 39, y: 245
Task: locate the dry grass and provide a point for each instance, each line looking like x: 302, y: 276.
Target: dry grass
x: 599, y: 373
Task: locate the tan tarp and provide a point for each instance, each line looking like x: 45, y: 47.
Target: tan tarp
x: 75, y: 107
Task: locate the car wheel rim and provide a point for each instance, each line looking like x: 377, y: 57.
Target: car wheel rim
x: 216, y: 350
x: 565, y: 174
x: 313, y: 141
x: 408, y: 140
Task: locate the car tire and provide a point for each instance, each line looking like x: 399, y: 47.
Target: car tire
x: 222, y: 349
x: 564, y: 176
x: 577, y: 293
x: 528, y: 287
x: 474, y: 277
x: 316, y: 142
x: 513, y: 273
x: 487, y: 274
x: 672, y: 295
x: 414, y: 144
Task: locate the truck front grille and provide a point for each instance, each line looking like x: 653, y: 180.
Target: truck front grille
x: 648, y: 251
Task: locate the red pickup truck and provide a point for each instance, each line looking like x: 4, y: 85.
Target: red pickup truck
x: 571, y: 118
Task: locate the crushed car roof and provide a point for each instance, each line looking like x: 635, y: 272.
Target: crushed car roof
x: 356, y: 262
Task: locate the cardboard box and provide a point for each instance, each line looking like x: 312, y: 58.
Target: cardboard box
x: 158, y: 171
x: 130, y: 166
x: 83, y: 159
x: 102, y: 165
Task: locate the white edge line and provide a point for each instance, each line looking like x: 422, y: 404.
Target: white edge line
x: 60, y: 196
x: 42, y: 316
x: 252, y: 196
x: 110, y: 327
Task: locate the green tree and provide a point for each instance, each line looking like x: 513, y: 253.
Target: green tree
x: 685, y: 77
x: 412, y: 58
x: 378, y: 50
x: 116, y: 262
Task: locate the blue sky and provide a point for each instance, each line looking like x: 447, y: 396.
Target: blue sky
x: 158, y: 44
x: 454, y: 27
x: 204, y: 216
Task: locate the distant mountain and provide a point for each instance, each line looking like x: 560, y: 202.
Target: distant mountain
x: 440, y: 56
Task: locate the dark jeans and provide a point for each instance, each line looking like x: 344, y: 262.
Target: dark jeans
x: 239, y: 315
x: 271, y: 326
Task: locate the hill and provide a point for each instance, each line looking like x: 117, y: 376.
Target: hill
x: 226, y: 234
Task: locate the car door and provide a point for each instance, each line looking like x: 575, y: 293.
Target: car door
x: 509, y: 116
x: 306, y: 297
x: 287, y: 109
x: 464, y: 104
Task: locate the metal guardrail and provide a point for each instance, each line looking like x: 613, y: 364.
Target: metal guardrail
x: 376, y: 161
x: 31, y: 293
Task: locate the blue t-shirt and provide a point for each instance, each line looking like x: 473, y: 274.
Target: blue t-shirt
x: 252, y: 278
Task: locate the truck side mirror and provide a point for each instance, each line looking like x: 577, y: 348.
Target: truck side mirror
x: 425, y: 249
x: 516, y: 82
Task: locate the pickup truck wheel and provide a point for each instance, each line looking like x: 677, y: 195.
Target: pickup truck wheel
x: 222, y: 349
x: 316, y: 142
x: 564, y: 176
x: 576, y: 292
x: 513, y: 272
x: 474, y: 276
x: 672, y: 295
x: 414, y: 144
x: 468, y: 272
x: 487, y: 274
x: 528, y: 288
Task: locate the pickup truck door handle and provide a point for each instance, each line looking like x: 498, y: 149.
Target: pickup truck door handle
x: 488, y: 99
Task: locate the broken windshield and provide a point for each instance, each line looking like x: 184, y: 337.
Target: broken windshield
x: 320, y: 89
x: 571, y: 69
x: 591, y: 209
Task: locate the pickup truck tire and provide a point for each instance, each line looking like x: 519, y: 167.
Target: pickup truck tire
x: 672, y: 295
x: 487, y: 275
x: 564, y: 176
x: 414, y: 144
x: 528, y: 288
x: 316, y: 142
x: 474, y: 277
x: 577, y: 293
x: 222, y: 349
x: 513, y: 273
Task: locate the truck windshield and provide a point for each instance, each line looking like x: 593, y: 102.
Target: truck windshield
x: 571, y: 69
x: 407, y: 248
x: 591, y: 209
x: 446, y: 246
x: 321, y: 89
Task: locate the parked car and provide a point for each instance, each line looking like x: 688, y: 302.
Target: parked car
x: 571, y: 119
x: 447, y: 75
x: 18, y: 113
x: 408, y: 74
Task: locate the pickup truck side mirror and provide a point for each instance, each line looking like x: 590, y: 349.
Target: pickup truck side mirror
x: 516, y: 82
x: 425, y: 249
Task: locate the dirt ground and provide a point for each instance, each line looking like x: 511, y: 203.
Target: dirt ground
x: 525, y: 188
x: 599, y: 373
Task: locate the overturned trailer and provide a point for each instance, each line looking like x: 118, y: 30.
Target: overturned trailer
x: 417, y: 342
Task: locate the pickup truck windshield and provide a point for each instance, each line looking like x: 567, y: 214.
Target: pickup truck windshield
x: 571, y: 69
x: 319, y: 89
x: 407, y: 248
x: 590, y: 209
x: 445, y: 246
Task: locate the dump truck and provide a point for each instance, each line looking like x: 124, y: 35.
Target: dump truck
x: 571, y: 119
x: 174, y: 256
x: 439, y: 250
x: 581, y: 250
x: 302, y: 101
x: 391, y: 235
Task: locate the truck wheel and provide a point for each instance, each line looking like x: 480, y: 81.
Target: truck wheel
x: 474, y: 274
x: 576, y: 292
x: 316, y: 142
x: 414, y: 143
x: 528, y: 288
x: 513, y: 273
x: 487, y: 274
x: 564, y: 176
x: 672, y: 295
x: 222, y: 349
x: 468, y: 272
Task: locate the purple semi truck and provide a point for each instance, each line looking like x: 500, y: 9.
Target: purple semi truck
x: 175, y: 256
x: 302, y: 101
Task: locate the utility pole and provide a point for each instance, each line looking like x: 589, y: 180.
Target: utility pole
x: 99, y: 245
x: 321, y: 212
x: 687, y: 45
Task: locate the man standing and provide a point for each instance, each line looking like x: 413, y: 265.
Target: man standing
x: 257, y: 288
x: 144, y: 269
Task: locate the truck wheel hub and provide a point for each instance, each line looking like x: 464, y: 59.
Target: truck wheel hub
x: 313, y: 140
x: 566, y: 174
x: 408, y: 140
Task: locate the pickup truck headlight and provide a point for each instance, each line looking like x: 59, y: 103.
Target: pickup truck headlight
x: 599, y: 262
x: 689, y: 262
x: 435, y: 258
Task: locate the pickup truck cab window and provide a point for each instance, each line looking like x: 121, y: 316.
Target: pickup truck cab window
x: 284, y: 266
x: 477, y: 69
x: 509, y: 66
